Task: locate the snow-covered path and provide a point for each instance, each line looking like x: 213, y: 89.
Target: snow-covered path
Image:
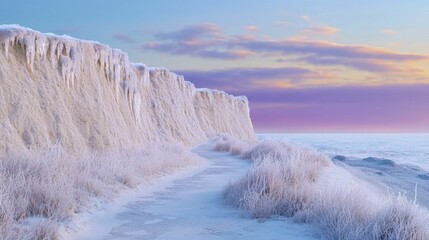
x: 190, y: 207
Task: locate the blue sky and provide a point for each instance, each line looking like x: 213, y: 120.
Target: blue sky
x: 360, y: 22
x: 270, y: 50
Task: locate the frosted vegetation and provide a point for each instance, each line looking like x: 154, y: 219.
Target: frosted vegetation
x: 299, y: 182
x: 42, y: 190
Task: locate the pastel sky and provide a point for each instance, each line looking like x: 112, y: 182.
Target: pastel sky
x: 305, y: 65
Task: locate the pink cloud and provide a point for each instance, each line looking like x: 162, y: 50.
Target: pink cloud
x: 251, y: 28
x: 208, y: 41
x: 191, y: 32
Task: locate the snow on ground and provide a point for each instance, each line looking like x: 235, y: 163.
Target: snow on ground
x: 187, y: 206
x: 389, y: 176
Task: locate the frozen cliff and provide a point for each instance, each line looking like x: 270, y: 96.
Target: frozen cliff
x: 87, y: 96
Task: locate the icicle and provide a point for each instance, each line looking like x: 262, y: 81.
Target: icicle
x: 60, y: 48
x: 6, y: 47
x: 143, y: 73
x: 7, y: 42
x: 41, y: 46
x: 126, y: 65
x: 117, y: 78
x: 8, y: 37
x: 76, y: 58
x: 30, y: 49
x: 101, y: 54
x: 20, y: 40
x: 146, y: 77
x: 52, y: 47
x: 102, y: 59
x: 110, y: 66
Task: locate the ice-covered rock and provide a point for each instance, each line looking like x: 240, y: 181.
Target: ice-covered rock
x: 86, y: 95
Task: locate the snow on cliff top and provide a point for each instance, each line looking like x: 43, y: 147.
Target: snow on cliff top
x: 36, y: 43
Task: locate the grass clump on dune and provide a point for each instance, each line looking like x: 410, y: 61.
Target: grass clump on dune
x: 300, y: 182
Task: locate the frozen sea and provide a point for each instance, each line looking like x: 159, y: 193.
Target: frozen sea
x: 402, y: 148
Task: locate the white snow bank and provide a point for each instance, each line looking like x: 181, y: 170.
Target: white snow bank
x: 87, y: 96
x: 302, y: 183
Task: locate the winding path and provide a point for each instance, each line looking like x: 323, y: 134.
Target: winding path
x: 191, y: 207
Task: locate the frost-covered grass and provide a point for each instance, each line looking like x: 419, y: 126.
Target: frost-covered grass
x: 301, y: 183
x: 233, y: 145
x: 40, y: 192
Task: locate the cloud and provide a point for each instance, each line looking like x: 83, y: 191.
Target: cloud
x: 251, y: 28
x: 208, y: 41
x: 191, y: 33
x: 389, y: 32
x: 246, y: 78
x: 123, y: 38
x: 305, y: 17
x: 192, y: 40
x: 368, y: 65
x: 323, y: 30
x: 202, y: 40
x: 198, y: 48
x: 328, y: 49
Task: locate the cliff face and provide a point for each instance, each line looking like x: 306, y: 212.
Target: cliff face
x: 87, y: 96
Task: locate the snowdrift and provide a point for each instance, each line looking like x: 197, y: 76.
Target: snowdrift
x: 87, y: 96
x: 299, y: 182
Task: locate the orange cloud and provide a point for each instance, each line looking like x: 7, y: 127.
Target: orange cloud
x: 355, y: 62
x: 323, y: 30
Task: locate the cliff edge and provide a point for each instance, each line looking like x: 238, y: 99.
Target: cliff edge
x: 85, y: 96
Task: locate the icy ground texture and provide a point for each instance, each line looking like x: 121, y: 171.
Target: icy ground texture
x: 301, y: 183
x: 188, y: 207
x: 88, y: 96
